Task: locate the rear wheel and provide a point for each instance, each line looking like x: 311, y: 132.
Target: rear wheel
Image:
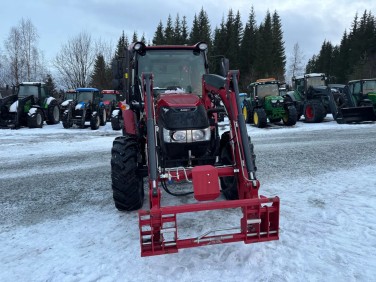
x: 247, y: 112
x: 53, y: 114
x: 127, y: 184
x: 290, y: 116
x: 35, y: 120
x: 95, y: 121
x: 260, y: 118
x: 314, y: 111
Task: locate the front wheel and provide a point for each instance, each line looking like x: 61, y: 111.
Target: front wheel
x: 259, y: 118
x: 67, y: 120
x: 95, y: 121
x: 229, y: 184
x: 127, y: 183
x: 116, y: 122
x: 290, y: 116
x: 35, y: 119
x: 103, y: 117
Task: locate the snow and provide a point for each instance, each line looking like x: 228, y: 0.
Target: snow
x: 324, y: 236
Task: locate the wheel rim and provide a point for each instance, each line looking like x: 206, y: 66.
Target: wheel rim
x: 39, y: 119
x: 56, y: 113
x: 255, y: 118
x: 245, y: 113
x: 309, y: 112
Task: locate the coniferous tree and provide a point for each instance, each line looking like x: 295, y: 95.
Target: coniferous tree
x: 278, y: 49
x: 248, y: 51
x: 51, y: 86
x: 178, y: 38
x: 169, y: 32
x: 121, y: 46
x: 159, y: 37
x: 184, y: 31
x: 100, y: 77
x: 264, y: 59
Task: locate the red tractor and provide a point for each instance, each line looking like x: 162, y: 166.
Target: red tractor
x: 171, y: 134
x: 110, y: 99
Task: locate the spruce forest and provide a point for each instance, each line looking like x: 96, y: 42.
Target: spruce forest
x: 257, y: 50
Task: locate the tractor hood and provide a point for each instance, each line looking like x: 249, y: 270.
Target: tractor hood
x: 181, y: 111
x: 178, y: 100
x: 107, y: 102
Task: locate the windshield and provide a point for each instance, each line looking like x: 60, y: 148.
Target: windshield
x: 27, y: 90
x: 109, y: 97
x: 85, y: 97
x: 70, y: 96
x: 180, y: 70
x: 264, y: 90
x: 369, y: 86
x: 315, y: 81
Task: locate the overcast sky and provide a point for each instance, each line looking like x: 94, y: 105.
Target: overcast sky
x: 306, y: 22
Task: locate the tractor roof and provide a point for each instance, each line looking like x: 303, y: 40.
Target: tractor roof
x: 364, y: 79
x: 36, y: 83
x: 86, y: 89
x: 111, y: 92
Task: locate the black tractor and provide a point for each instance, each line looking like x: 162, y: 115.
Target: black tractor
x: 85, y: 106
x: 30, y: 106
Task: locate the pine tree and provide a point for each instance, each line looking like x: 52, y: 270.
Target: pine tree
x: 169, y: 32
x: 178, y: 31
x: 184, y: 31
x: 264, y: 59
x: 51, y: 86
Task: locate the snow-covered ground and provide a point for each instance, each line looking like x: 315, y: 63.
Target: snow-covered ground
x: 327, y: 221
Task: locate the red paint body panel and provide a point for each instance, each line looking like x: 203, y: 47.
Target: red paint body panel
x: 205, y: 183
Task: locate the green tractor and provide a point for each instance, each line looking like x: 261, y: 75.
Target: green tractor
x: 359, y: 105
x: 30, y: 106
x: 264, y: 103
x: 85, y: 105
x: 310, y: 96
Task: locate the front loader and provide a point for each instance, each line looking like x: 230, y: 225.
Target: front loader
x: 171, y: 135
x: 358, y: 102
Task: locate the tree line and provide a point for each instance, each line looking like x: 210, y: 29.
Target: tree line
x: 257, y: 50
x: 354, y: 57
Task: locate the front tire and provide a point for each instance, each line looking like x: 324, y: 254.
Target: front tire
x: 290, y: 116
x: 103, y: 117
x: 127, y: 184
x: 259, y: 118
x: 115, y: 122
x: 229, y: 184
x: 35, y: 120
x: 95, y: 121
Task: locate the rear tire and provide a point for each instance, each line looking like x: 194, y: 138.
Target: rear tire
x: 247, y: 113
x: 53, y: 114
x: 127, y: 184
x: 35, y: 120
x: 314, y: 111
x: 290, y: 116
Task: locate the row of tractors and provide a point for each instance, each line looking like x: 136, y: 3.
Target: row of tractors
x: 265, y: 101
x: 31, y: 104
x: 312, y: 97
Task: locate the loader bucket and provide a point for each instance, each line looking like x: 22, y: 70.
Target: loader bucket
x: 356, y: 114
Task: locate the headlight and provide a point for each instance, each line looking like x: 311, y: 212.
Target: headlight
x: 186, y: 136
x: 179, y: 136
